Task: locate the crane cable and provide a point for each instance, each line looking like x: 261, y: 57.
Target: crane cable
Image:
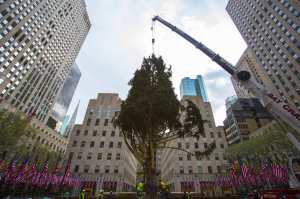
x: 153, y: 36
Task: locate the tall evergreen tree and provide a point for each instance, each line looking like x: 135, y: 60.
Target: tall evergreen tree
x: 151, y: 117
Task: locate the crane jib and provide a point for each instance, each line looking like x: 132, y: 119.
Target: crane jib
x: 276, y: 106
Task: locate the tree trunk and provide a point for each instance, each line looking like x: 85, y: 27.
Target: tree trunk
x: 151, y: 182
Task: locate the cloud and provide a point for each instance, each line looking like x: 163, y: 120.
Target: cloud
x: 120, y: 37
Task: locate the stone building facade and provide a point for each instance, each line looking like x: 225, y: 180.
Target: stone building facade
x: 271, y: 30
x: 178, y: 168
x: 97, y: 149
x: 244, y: 117
x: 249, y: 63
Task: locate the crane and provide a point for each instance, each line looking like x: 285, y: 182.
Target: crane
x: 275, y: 105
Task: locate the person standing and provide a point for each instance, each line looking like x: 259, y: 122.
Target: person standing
x: 82, y: 194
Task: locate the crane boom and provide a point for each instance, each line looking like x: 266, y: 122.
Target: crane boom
x: 215, y: 57
x: 274, y: 104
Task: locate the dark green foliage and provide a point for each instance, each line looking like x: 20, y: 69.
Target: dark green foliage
x: 151, y: 116
x: 12, y: 127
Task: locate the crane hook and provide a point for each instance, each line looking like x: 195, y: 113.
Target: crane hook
x: 153, y: 37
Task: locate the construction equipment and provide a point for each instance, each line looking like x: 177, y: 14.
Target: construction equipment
x: 275, y: 105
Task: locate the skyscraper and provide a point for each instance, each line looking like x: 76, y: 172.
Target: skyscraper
x: 98, y: 151
x: 271, y: 29
x: 193, y: 87
x: 249, y: 63
x: 64, y: 99
x: 243, y: 117
x: 41, y: 40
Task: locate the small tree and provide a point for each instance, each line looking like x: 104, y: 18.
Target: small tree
x: 151, y: 117
x: 12, y: 128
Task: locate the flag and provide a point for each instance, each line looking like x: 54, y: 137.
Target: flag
x: 10, y: 171
x: 43, y: 177
x: 245, y: 170
x: 22, y: 172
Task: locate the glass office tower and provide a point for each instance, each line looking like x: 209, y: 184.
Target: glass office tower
x: 193, y: 87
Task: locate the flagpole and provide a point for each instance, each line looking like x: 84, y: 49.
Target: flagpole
x: 65, y: 174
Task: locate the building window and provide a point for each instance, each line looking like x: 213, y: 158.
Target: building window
x: 86, y: 132
x: 200, y: 169
x: 209, y: 169
x: 188, y: 156
x: 181, y: 170
x: 222, y: 146
x: 89, y: 156
x: 102, y: 144
x: 205, y: 145
x: 94, y: 133
x: 209, y: 124
x: 219, y: 169
x: 88, y: 122
x: 92, y: 144
x: 99, y: 156
x: 74, y: 143
x: 180, y: 158
x: 76, y: 169
x: 187, y: 145
x: 190, y: 169
x: 106, y: 122
x: 106, y: 170
x: 113, y: 134
x: 108, y: 156
x: 111, y: 145
x: 116, y: 170
x: 86, y: 168
x: 103, y: 133
x: 118, y: 157
x: 79, y: 156
x: 82, y: 144
x: 196, y: 145
x: 212, y: 135
x: 97, y: 122
x: 179, y: 145
x: 97, y: 169
x: 216, y: 156
x: 219, y: 134
x: 77, y: 132
x: 119, y: 144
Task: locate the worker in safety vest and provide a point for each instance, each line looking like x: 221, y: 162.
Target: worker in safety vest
x: 189, y: 195
x: 82, y: 194
x: 140, y: 189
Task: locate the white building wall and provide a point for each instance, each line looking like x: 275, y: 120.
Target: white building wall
x: 97, y: 148
x: 177, y: 167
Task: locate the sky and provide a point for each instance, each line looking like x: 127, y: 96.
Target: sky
x: 120, y: 37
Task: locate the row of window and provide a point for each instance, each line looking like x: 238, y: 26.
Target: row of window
x: 92, y: 144
x: 99, y: 156
x: 97, y: 169
x: 189, y: 157
x: 196, y: 145
x: 199, y: 170
x: 95, y: 133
